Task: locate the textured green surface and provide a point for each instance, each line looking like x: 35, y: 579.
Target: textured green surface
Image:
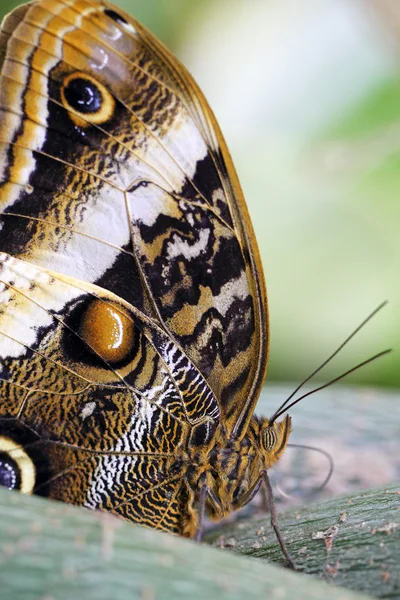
x: 52, y: 551
x: 365, y: 552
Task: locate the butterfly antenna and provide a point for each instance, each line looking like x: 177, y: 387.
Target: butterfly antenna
x: 325, y: 385
x: 318, y: 369
x: 320, y: 487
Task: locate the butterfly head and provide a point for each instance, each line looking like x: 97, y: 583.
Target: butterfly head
x: 273, y: 439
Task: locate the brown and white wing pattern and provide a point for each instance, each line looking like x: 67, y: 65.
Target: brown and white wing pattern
x: 113, y: 171
x: 93, y: 424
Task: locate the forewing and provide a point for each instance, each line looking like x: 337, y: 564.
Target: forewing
x: 137, y: 195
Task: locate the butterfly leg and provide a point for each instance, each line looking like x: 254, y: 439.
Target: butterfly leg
x: 202, y: 512
x: 264, y: 500
x: 274, y: 520
x: 205, y: 492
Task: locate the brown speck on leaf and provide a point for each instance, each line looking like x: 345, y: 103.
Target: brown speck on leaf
x: 55, y: 523
x: 79, y: 541
x: 69, y: 573
x: 385, y: 576
x: 225, y: 583
x: 327, y: 536
x: 297, y: 516
x: 148, y: 593
x: 332, y: 570
x: 342, y: 517
x: 36, y: 527
x: 9, y: 549
x: 109, y: 524
x: 225, y: 543
x: 167, y: 560
x: 26, y: 544
x: 50, y: 510
x: 388, y: 529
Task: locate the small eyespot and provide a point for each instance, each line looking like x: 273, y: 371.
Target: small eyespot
x: 17, y: 471
x: 108, y: 330
x: 88, y: 100
x: 115, y: 16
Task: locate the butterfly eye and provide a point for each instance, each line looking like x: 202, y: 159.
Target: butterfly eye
x: 269, y: 438
x: 107, y: 330
x: 17, y: 471
x: 89, y: 100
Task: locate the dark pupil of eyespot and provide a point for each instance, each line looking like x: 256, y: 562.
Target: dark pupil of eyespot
x: 8, y: 475
x: 114, y: 16
x: 83, y: 95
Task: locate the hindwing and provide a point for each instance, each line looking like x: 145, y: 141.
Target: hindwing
x: 98, y: 428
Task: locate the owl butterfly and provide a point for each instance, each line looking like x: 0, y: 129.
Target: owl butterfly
x: 133, y: 311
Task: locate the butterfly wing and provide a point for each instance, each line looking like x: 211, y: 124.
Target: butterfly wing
x: 114, y: 172
x: 215, y: 177
x: 80, y: 422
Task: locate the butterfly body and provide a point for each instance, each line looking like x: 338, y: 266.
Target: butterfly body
x: 133, y: 312
x: 230, y: 470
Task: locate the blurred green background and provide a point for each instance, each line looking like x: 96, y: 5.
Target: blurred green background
x: 308, y: 97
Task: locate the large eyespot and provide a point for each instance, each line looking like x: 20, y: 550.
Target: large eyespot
x: 88, y: 100
x: 17, y: 471
x: 108, y: 330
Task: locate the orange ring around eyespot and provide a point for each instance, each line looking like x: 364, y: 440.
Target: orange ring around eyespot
x: 108, y: 330
x: 82, y: 119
